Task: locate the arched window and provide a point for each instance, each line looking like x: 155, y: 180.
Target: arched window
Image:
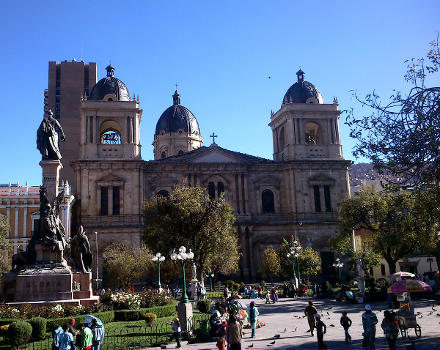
x: 211, y: 190
x: 267, y: 202
x: 163, y: 155
x: 312, y: 134
x: 111, y: 137
x: 162, y: 193
x: 220, y: 188
x: 281, y: 141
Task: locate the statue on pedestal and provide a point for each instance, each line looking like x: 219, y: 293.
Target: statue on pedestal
x: 194, y: 272
x: 80, y: 249
x: 49, y: 232
x: 47, y: 137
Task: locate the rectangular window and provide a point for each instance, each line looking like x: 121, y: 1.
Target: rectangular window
x: 104, y: 201
x: 328, y: 203
x: 317, y: 198
x: 116, y: 200
x: 382, y: 269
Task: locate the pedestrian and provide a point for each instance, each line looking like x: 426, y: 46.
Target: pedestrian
x: 72, y: 330
x: 66, y: 339
x: 346, y: 324
x: 260, y: 292
x: 390, y: 329
x: 98, y: 334
x: 369, y: 321
x: 86, y: 337
x: 253, y: 314
x: 310, y: 311
x: 226, y: 292
x: 321, y: 329
x: 177, y: 330
x: 233, y: 333
x: 221, y: 333
x: 274, y: 295
x: 56, y: 338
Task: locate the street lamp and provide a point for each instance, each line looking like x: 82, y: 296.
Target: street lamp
x: 182, y: 256
x: 338, y: 264
x: 294, y: 254
x: 211, y: 276
x: 158, y: 259
x: 97, y: 279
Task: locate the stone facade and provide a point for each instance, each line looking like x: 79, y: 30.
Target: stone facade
x: 297, y: 193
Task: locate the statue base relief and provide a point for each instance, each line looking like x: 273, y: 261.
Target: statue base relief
x: 49, y: 281
x: 185, y: 314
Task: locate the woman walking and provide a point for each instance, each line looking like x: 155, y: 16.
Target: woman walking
x: 233, y: 333
x: 390, y: 329
x: 253, y: 313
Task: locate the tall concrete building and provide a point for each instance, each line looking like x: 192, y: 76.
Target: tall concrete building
x: 67, y: 83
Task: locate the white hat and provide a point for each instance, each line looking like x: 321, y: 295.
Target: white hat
x: 368, y: 307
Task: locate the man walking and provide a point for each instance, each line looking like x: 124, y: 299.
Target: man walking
x: 321, y: 329
x: 369, y: 321
x: 310, y: 311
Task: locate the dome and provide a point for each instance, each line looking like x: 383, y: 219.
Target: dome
x: 110, y: 85
x: 177, y: 117
x: 302, y: 92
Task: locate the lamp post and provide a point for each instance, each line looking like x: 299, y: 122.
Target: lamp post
x: 158, y: 259
x: 182, y: 257
x: 294, y: 254
x: 338, y: 264
x: 211, y: 276
x: 97, y: 279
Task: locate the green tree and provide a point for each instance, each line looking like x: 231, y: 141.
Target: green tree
x: 5, y: 266
x: 309, y: 260
x: 190, y: 218
x: 401, y: 135
x: 125, y: 265
x: 392, y: 220
x: 269, y: 264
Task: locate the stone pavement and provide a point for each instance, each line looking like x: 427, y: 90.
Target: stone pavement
x: 286, y: 319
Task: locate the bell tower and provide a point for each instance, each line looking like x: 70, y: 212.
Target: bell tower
x: 305, y: 127
x: 110, y: 121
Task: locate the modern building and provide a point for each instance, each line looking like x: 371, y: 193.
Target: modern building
x: 296, y: 193
x: 68, y: 81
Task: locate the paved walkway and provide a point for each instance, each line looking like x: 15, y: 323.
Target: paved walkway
x: 286, y: 319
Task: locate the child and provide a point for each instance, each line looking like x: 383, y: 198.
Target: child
x: 177, y: 330
x: 346, y: 324
x: 221, y: 332
x: 320, y: 331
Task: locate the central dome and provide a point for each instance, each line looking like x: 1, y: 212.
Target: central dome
x: 177, y: 117
x: 302, y: 92
x: 110, y: 85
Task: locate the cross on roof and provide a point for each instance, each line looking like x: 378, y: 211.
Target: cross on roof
x: 176, y: 86
x: 213, y: 137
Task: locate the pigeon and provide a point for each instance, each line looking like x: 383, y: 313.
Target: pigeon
x: 277, y: 336
x: 327, y: 313
x: 285, y: 330
x: 272, y: 342
x: 332, y: 325
x: 434, y: 309
x: 251, y: 346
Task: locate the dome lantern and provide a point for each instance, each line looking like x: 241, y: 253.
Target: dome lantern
x: 110, y: 70
x: 176, y: 98
x: 110, y: 85
x: 302, y: 92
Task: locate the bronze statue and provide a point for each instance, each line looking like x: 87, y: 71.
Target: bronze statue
x: 47, y: 137
x: 80, y: 248
x: 49, y: 232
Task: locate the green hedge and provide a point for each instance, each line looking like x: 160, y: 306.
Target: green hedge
x: 38, y: 328
x: 19, y: 333
x: 105, y: 317
x: 134, y: 315
x: 204, y: 305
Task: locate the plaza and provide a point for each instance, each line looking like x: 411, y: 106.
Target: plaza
x: 286, y: 319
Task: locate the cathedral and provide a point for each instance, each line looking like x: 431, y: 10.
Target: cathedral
x: 295, y: 193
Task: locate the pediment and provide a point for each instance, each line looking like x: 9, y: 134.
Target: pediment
x: 216, y: 156
x: 110, y: 180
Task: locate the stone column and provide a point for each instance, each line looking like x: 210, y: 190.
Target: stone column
x: 51, y: 176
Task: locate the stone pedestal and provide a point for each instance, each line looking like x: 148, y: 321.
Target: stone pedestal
x: 51, y: 176
x: 46, y: 255
x: 82, y: 282
x: 185, y: 314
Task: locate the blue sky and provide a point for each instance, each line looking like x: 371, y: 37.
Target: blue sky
x: 219, y: 52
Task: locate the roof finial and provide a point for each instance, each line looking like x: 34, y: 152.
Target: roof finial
x: 176, y: 97
x: 110, y: 70
x: 213, y: 138
x: 300, y: 75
